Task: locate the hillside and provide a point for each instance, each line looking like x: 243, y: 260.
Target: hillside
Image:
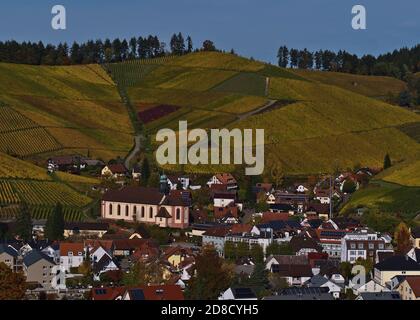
x: 374, y: 87
x: 314, y: 127
x: 66, y: 110
x: 51, y: 111
x: 23, y: 181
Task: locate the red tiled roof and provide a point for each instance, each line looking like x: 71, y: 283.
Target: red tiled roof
x: 274, y: 216
x: 117, y: 168
x: 226, y: 178
x: 221, y: 212
x: 74, y: 248
x: 164, y: 292
x: 218, y: 231
x: 108, y: 293
x: 241, y: 228
x: 130, y: 194
x: 414, y: 283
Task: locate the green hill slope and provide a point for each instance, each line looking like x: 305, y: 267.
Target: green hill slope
x: 324, y: 120
x: 375, y: 87
x: 52, y: 110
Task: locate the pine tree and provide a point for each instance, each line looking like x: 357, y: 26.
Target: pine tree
x: 54, y: 229
x: 387, y: 162
x: 145, y: 171
x: 189, y: 45
x: 24, y: 223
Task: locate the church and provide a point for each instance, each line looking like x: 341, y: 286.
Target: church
x: 165, y: 208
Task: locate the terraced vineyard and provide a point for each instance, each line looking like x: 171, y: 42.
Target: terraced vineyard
x: 7, y: 194
x: 44, y: 106
x: 330, y: 119
x: 41, y: 197
x: 48, y: 193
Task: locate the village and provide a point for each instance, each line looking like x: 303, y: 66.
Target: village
x: 168, y: 241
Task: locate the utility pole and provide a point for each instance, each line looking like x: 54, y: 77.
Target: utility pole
x: 331, y: 192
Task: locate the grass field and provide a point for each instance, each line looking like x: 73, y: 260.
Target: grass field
x: 376, y: 87
x: 406, y: 174
x: 387, y: 197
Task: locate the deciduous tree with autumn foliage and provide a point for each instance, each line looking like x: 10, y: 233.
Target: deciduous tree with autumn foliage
x: 12, y: 284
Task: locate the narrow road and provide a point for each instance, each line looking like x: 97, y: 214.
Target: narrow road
x: 132, y: 154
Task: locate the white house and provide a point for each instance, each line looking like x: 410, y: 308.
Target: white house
x: 238, y: 294
x: 370, y: 286
x: 72, y: 255
x: 223, y: 200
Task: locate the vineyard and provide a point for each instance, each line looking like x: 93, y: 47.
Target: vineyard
x: 17, y: 169
x: 48, y: 193
x: 41, y: 197
x: 40, y: 212
x: 23, y: 143
x: 49, y: 110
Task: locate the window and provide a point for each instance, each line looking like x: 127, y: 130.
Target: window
x: 110, y: 209
x: 126, y: 211
x: 118, y: 210
x: 178, y: 214
x: 381, y: 246
x: 360, y: 245
x: 151, y: 213
x: 371, y: 246
x: 142, y: 212
x: 135, y: 210
x: 353, y: 245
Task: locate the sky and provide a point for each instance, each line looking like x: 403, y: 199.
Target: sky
x: 254, y: 28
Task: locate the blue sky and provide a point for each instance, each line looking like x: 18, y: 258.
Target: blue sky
x: 253, y: 27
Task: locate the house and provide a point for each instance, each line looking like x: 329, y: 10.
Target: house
x: 176, y: 255
x: 215, y: 237
x: 319, y: 281
x: 114, y: 171
x: 126, y: 247
x: 301, y: 293
x: 85, y: 229
x: 396, y: 265
x: 175, y: 181
x: 298, y: 201
x: 371, y: 286
x: 224, y: 179
x: 409, y: 289
x: 323, y: 196
x: 364, y: 244
x: 104, y: 264
x: 258, y: 236
x: 388, y: 295
x: 296, y: 271
x: 229, y: 218
x: 229, y: 211
x: 302, y: 244
x: 265, y: 188
x: 414, y: 254
x: 238, y: 294
x: 107, y: 293
x: 9, y: 256
x: 136, y: 172
x: 39, y: 268
x: 330, y: 241
x: 282, y: 208
x: 224, y: 199
x: 67, y: 163
x: 72, y: 255
x: 415, y: 237
x: 155, y: 292
x: 301, y: 188
x: 146, y: 205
